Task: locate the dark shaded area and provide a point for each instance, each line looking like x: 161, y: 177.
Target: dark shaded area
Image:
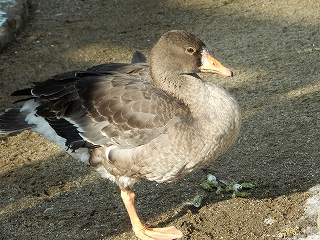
x: 273, y: 51
x: 16, y: 15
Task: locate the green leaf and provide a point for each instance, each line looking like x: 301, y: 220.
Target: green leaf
x: 247, y: 185
x: 197, y: 201
x: 240, y: 194
x: 207, y: 186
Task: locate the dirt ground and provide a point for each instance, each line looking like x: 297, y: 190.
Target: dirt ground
x: 273, y: 47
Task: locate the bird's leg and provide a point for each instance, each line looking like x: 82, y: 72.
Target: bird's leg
x: 141, y: 231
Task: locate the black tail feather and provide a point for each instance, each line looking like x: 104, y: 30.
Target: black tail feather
x: 22, y: 92
x: 13, y: 121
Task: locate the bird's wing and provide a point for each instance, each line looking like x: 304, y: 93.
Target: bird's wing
x: 90, y: 108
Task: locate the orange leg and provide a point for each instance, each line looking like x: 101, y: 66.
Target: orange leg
x: 141, y: 231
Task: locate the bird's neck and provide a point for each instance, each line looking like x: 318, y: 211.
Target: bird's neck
x: 189, y: 89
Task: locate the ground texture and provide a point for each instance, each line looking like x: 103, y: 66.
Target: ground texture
x: 273, y: 47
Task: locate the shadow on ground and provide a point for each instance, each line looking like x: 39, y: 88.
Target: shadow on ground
x: 273, y: 51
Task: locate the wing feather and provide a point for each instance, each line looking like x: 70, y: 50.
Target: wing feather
x: 136, y: 112
x: 106, y: 104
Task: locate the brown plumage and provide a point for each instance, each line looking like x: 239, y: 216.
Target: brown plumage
x: 131, y: 122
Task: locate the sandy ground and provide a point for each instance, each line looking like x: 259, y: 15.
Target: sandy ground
x: 273, y: 47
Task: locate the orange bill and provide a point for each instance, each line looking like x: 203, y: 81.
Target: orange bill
x: 211, y: 65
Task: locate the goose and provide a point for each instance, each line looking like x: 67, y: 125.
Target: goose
x: 157, y: 121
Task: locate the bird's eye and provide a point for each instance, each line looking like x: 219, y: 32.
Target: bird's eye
x: 190, y: 50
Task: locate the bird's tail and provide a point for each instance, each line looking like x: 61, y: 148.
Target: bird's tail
x: 13, y: 120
